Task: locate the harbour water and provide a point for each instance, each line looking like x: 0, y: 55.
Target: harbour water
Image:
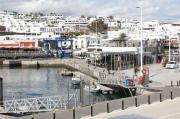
x: 25, y: 83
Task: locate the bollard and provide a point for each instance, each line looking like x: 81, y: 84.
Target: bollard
x: 171, y: 95
x: 32, y: 116
x: 177, y: 83
x: 171, y: 84
x: 91, y: 110
x: 149, y: 99
x: 122, y: 104
x: 81, y: 93
x: 136, y: 102
x: 54, y: 115
x: 107, y: 107
x: 74, y: 113
x: 160, y: 97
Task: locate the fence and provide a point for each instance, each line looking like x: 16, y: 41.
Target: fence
x: 108, y: 106
x: 20, y: 54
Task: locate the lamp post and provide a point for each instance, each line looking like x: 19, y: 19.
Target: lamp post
x: 179, y: 47
x: 169, y: 49
x: 141, y: 69
x: 179, y: 52
x: 96, y: 44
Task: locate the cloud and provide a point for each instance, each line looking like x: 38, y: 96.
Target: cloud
x: 152, y: 9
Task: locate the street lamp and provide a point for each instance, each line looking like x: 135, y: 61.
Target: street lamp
x: 179, y: 47
x: 169, y: 49
x: 96, y: 44
x: 141, y: 69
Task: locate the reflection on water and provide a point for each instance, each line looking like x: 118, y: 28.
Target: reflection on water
x: 33, y: 82
x: 20, y: 83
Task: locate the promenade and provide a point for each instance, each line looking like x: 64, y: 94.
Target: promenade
x: 165, y: 110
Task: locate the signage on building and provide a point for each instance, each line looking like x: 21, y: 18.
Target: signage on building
x: 129, y: 83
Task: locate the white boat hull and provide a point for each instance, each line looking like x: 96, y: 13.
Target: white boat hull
x: 92, y: 89
x: 76, y: 80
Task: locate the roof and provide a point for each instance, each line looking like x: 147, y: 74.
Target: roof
x: 116, y: 49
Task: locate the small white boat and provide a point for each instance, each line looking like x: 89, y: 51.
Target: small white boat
x: 104, y: 92
x: 76, y: 80
x: 93, y: 89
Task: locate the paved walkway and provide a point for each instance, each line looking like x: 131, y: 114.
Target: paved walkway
x: 162, y: 110
x: 159, y: 75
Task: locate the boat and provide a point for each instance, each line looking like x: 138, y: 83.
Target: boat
x: 106, y: 92
x: 67, y: 73
x: 93, y: 89
x: 76, y: 80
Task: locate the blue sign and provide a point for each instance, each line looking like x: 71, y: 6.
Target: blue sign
x: 129, y: 83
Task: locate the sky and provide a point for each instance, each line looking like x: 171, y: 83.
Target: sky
x: 152, y: 9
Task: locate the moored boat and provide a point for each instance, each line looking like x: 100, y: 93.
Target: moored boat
x: 67, y: 73
x: 93, y: 88
x: 76, y: 80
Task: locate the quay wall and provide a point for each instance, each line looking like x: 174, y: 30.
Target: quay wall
x: 29, y: 64
x: 69, y: 64
x: 11, y: 63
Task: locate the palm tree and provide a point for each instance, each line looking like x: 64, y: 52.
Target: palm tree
x: 121, y: 39
x: 98, y: 26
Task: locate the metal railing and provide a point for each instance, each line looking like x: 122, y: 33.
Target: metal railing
x: 11, y: 54
x: 38, y: 104
x: 157, y: 95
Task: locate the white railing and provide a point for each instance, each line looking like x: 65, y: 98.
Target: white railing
x: 38, y: 104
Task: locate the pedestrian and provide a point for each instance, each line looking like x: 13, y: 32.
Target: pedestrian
x: 108, y: 69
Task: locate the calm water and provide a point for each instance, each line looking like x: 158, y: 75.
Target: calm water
x: 20, y: 83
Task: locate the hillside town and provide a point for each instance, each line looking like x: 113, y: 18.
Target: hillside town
x: 99, y: 59
x: 120, y: 35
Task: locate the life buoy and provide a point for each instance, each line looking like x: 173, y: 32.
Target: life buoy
x: 141, y: 79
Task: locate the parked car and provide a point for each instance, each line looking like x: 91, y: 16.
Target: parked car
x: 171, y: 65
x: 175, y: 52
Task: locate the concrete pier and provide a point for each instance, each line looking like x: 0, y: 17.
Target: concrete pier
x: 1, y: 61
x: 29, y: 64
x: 6, y: 63
x: 12, y: 63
